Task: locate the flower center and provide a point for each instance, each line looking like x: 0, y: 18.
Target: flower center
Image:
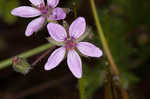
x: 70, y: 43
x: 44, y: 9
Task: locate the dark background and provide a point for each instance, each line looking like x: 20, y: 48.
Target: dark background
x: 126, y: 24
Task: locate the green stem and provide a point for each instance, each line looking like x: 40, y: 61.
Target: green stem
x: 7, y: 62
x: 75, y: 10
x: 106, y: 48
x: 81, y: 88
x: 103, y: 40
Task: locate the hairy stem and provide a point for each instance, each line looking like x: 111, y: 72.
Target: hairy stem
x: 7, y: 62
x: 42, y: 56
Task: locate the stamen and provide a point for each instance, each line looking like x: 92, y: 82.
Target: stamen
x: 70, y: 44
x: 44, y: 9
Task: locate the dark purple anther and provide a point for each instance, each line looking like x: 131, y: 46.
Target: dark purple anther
x: 44, y: 9
x: 70, y: 44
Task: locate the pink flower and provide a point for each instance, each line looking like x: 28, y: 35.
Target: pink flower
x: 70, y: 43
x: 48, y: 12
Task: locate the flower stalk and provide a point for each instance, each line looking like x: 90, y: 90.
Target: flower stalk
x: 103, y: 40
x: 7, y: 62
x: 112, y: 65
x: 81, y: 86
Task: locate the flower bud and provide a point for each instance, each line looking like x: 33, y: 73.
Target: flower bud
x: 21, y: 65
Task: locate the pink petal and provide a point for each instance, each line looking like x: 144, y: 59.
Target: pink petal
x: 56, y: 57
x: 25, y: 11
x: 77, y: 27
x: 34, y: 26
x: 57, y: 14
x: 57, y: 32
x: 52, y: 3
x: 74, y: 63
x: 89, y: 49
x: 37, y: 2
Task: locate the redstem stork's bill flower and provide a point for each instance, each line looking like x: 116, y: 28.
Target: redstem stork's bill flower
x: 70, y: 44
x: 46, y: 12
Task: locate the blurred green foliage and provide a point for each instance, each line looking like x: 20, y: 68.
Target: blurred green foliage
x: 93, y: 76
x: 5, y: 9
x: 120, y: 19
x: 116, y: 30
